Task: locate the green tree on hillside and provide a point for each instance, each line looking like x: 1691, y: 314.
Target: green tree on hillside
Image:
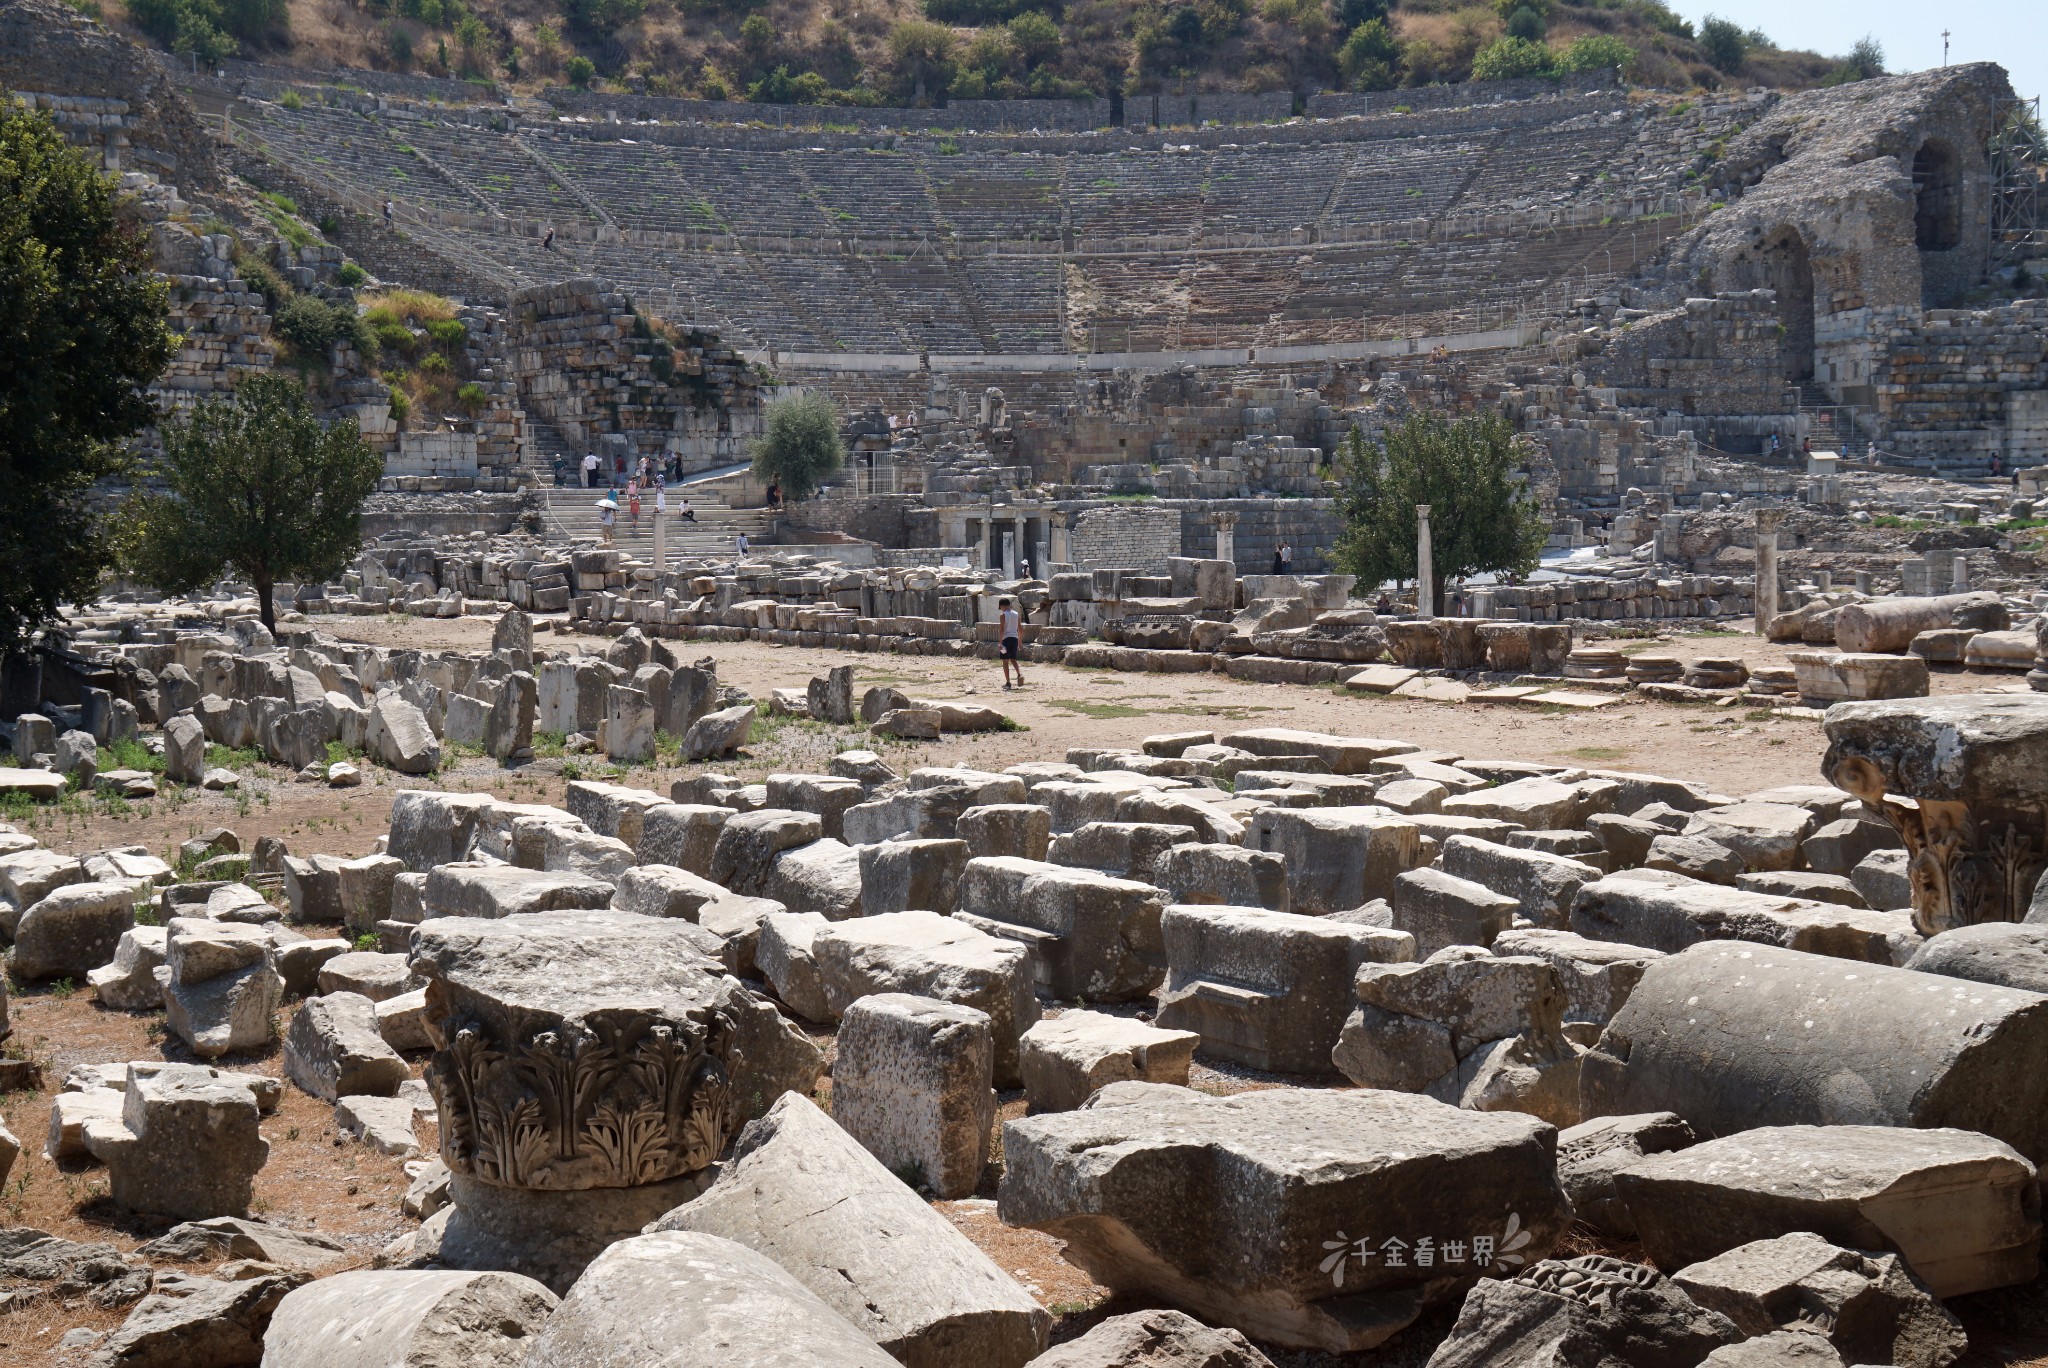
x: 1482, y: 519
x: 259, y: 487
x: 82, y: 335
x: 1864, y: 61
x: 800, y: 447
x: 1370, y: 58
x: 1724, y: 42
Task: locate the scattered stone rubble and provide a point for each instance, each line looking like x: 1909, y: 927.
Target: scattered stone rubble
x: 1564, y: 993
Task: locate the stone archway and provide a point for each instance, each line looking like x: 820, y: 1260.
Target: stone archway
x: 1785, y: 265
x: 1937, y: 197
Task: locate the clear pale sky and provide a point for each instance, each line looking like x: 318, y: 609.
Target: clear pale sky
x: 2013, y: 33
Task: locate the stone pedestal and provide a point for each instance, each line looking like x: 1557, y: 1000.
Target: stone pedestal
x: 1226, y: 536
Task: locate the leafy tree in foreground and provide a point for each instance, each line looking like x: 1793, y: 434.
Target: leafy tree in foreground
x: 801, y: 446
x: 1481, y: 519
x: 258, y: 486
x: 81, y: 337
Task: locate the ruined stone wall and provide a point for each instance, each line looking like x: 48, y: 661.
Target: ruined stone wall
x: 1309, y: 526
x: 1140, y: 536
x: 1964, y: 387
x: 49, y: 48
x: 880, y: 518
x: 1872, y: 196
x: 1709, y: 357
x: 573, y: 349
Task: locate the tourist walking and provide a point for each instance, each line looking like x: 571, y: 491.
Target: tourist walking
x: 605, y: 511
x: 739, y: 546
x: 633, y: 503
x: 1010, y: 627
x: 590, y: 471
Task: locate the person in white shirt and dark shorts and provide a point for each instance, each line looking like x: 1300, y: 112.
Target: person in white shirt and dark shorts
x: 1011, y: 629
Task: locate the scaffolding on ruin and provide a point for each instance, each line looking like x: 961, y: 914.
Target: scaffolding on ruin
x: 2017, y: 167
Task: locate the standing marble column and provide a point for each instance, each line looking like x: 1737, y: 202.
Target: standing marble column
x: 1767, y: 521
x: 1425, y: 565
x: 1959, y: 581
x: 1226, y: 536
x: 660, y: 540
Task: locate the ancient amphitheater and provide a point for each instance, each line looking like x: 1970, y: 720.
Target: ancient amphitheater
x: 555, y: 945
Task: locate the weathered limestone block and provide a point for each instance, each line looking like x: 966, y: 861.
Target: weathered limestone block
x: 1542, y: 884
x: 220, y: 1238
x: 1736, y: 1036
x: 492, y: 892
x: 829, y: 796
x: 334, y: 1049
x: 1286, y: 1173
x: 1223, y: 875
x: 1961, y: 1209
x: 430, y: 829
x: 364, y: 889
x: 1669, y: 912
x: 198, y: 1320
x: 1343, y: 754
x: 1592, y: 1310
x: 615, y: 810
x: 1337, y: 858
x: 1267, y: 989
x: 1765, y: 835
x: 128, y: 983
x: 912, y: 875
x: 376, y: 976
x: 385, y: 1124
x: 932, y: 956
x: 1592, y: 1152
x: 399, y: 737
x: 912, y: 1083
x: 218, y: 985
x: 658, y: 890
x: 313, y: 890
x: 718, y: 733
x: 186, y: 1146
x: 801, y: 1191
x: 1538, y: 803
x: 785, y: 956
x: 822, y: 877
x: 1597, y: 976
x: 628, y: 725
x: 695, y: 1301
x: 1020, y: 830
x: 1123, y: 850
x: 1975, y: 769
x: 1068, y: 1057
x: 74, y: 929
x: 743, y: 859
x: 1154, y: 1339
x: 1870, y: 1307
x: 573, y: 849
x: 1087, y: 935
x: 830, y: 697
x: 1440, y: 910
x: 682, y: 834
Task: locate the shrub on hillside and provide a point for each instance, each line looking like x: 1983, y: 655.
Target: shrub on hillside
x: 1510, y: 58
